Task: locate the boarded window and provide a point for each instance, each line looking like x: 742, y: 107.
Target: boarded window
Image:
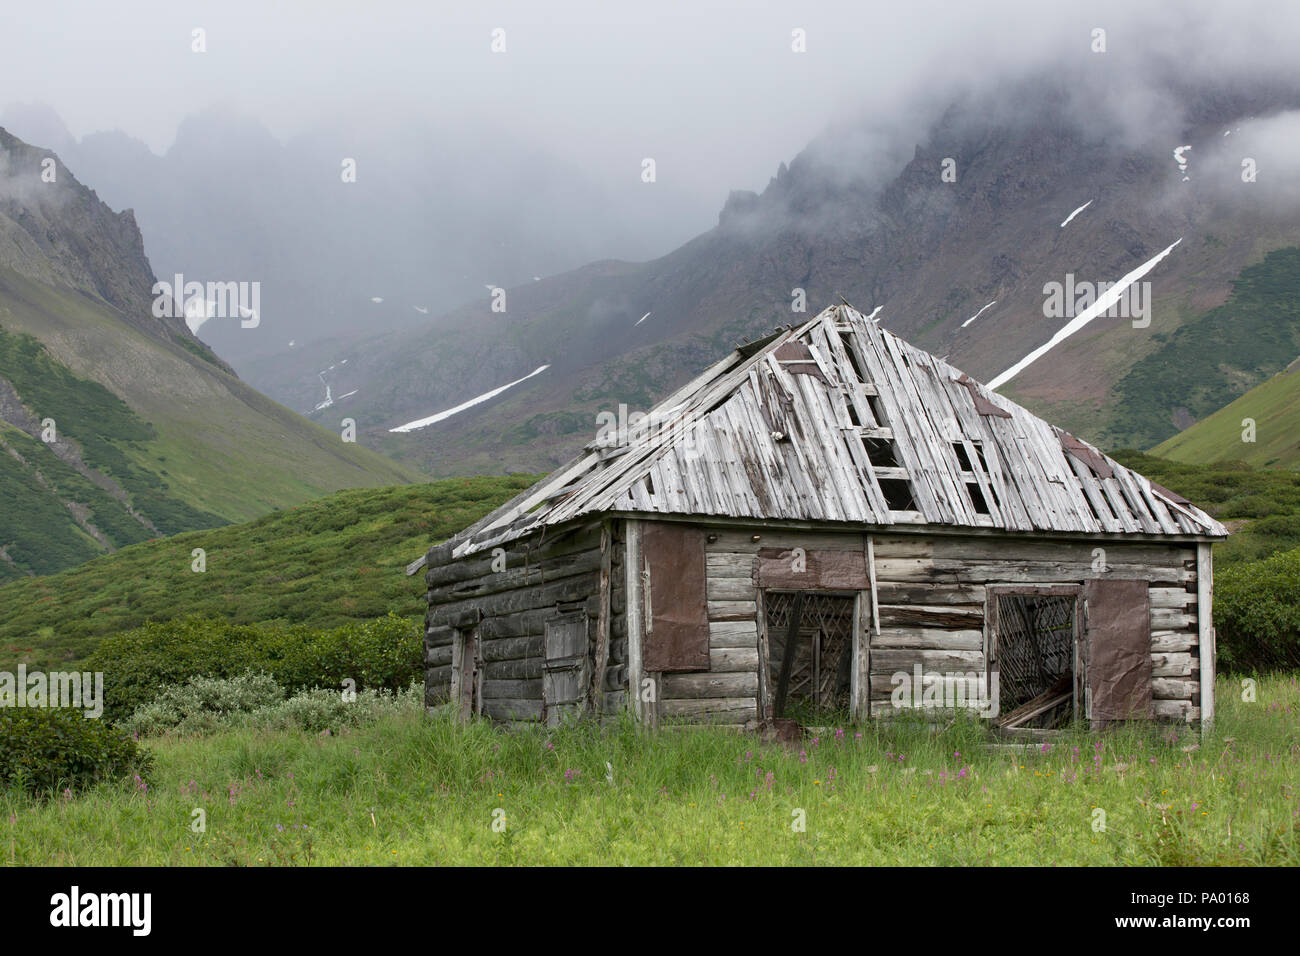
x: 564, y: 675
x: 676, y: 606
x: 1118, y: 616
x: 788, y: 569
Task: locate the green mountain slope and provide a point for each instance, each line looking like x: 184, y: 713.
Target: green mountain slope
x: 337, y: 559
x: 116, y: 426
x: 1274, y: 407
x: 1212, y: 360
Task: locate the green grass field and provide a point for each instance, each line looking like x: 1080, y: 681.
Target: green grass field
x: 411, y: 789
x: 334, y: 560
x: 1274, y: 406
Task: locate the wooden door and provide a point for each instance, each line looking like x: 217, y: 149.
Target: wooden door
x: 565, y: 672
x: 466, y: 674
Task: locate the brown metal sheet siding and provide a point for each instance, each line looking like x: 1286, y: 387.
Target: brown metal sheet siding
x: 1118, y: 615
x: 1087, y: 455
x: 798, y: 359
x: 677, y: 635
x: 823, y: 570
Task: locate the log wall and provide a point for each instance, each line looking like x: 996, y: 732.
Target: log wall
x: 930, y: 591
x: 931, y: 596
x: 540, y: 582
x: 932, y: 603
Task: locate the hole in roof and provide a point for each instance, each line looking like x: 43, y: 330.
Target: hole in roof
x: 1096, y: 517
x: 1111, y: 510
x: 881, y: 452
x: 846, y: 339
x: 898, y: 494
x: 993, y: 491
x: 877, y: 410
x: 977, y: 498
x: 853, y: 414
x: 963, y: 459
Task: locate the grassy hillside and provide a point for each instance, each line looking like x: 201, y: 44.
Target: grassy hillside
x: 334, y: 560
x: 131, y: 503
x: 152, y: 438
x: 39, y: 533
x: 1275, y: 408
x: 1213, y: 358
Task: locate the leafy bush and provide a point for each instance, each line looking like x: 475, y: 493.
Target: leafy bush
x: 1257, y: 614
x: 137, y: 665
x: 1261, y: 504
x: 383, y: 653
x: 320, y: 710
x: 202, y: 704
x: 255, y: 701
x: 44, y: 750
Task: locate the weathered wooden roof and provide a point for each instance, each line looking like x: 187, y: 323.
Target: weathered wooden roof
x: 839, y: 420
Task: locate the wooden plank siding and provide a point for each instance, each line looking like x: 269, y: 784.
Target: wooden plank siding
x: 508, y: 609
x: 932, y: 593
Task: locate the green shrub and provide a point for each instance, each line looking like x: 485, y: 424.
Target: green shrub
x: 1257, y: 614
x: 255, y: 701
x: 138, y: 664
x: 322, y: 710
x: 45, y: 750
x: 202, y: 704
x: 383, y: 653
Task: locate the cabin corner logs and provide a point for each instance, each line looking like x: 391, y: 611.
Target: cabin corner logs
x: 692, y: 621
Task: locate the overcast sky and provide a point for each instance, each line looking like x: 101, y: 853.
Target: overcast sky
x: 713, y: 91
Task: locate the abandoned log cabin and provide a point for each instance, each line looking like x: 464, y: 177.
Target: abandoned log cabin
x: 829, y: 524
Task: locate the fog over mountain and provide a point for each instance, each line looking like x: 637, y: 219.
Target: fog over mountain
x: 500, y: 144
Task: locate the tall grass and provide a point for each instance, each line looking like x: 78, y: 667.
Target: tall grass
x: 412, y: 789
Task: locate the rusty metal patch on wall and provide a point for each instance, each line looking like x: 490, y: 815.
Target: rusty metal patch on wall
x: 1118, y: 632
x: 676, y: 602
x: 781, y: 568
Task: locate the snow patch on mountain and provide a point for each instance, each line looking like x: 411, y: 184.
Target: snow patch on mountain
x: 981, y: 311
x: 1104, y: 301
x: 1075, y: 213
x: 433, y: 419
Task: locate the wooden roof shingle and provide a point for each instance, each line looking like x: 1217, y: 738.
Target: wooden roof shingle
x: 840, y: 420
